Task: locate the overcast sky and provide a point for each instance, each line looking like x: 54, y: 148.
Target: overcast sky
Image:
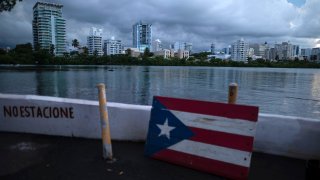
x: 201, y: 22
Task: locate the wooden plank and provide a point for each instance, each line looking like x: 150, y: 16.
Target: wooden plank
x: 212, y: 137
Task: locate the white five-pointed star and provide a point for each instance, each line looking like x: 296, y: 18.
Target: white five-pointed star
x: 165, y: 129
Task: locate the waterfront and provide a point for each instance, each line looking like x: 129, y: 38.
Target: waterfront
x: 292, y: 92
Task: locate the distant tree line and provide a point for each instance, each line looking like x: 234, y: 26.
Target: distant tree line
x: 25, y: 54
x: 7, y: 5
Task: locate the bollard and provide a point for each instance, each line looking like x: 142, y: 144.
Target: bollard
x: 105, y: 126
x: 233, y: 93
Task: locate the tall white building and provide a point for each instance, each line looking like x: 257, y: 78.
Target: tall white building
x: 188, y: 47
x: 240, y: 50
x: 142, y: 36
x: 285, y: 51
x: 260, y: 49
x: 94, y: 42
x: 177, y: 46
x: 251, y: 52
x: 49, y: 27
x: 112, y: 46
x: 182, y: 46
x: 156, y: 45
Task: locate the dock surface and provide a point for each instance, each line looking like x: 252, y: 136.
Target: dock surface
x: 29, y: 156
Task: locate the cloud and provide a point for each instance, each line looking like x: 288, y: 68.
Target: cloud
x: 200, y: 22
x: 15, y: 26
x: 308, y: 23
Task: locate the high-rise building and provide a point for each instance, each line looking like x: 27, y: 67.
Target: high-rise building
x: 112, y: 46
x: 296, y: 51
x: 156, y: 45
x: 306, y: 53
x: 286, y: 51
x: 251, y: 53
x: 259, y: 49
x: 315, y: 55
x: 227, y: 50
x: 49, y: 27
x: 94, y: 42
x: 142, y: 36
x: 178, y: 46
x: 271, y: 53
x: 240, y: 50
x: 212, y: 48
x: 188, y: 47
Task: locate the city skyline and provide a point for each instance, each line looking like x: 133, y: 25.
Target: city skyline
x: 273, y: 21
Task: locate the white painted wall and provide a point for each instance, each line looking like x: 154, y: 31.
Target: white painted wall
x: 288, y: 136
x: 275, y: 134
x: 127, y: 122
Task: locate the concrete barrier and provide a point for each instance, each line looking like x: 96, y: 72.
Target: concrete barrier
x: 128, y: 122
x: 288, y: 136
x: 275, y: 134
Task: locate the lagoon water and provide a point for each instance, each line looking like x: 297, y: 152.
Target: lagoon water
x: 292, y: 92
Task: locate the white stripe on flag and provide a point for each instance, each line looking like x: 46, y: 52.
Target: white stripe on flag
x: 216, y: 123
x: 232, y: 156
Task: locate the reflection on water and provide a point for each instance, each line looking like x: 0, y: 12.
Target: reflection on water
x: 316, y: 86
x: 294, y: 92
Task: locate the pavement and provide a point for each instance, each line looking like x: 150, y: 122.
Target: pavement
x: 35, y: 157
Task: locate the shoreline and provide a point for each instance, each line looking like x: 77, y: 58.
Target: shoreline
x: 134, y: 65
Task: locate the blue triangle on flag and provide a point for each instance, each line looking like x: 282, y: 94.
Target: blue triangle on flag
x: 157, y: 141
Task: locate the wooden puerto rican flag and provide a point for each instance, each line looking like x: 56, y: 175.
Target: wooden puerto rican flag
x: 207, y: 136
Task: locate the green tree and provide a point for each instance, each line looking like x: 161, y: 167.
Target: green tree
x: 7, y: 5
x: 66, y: 55
x: 7, y: 59
x: 51, y: 49
x: 85, y: 51
x: 128, y: 52
x: 74, y: 53
x: 24, y: 48
x: 23, y: 54
x: 146, y: 54
x: 201, y: 55
x: 75, y: 43
x: 2, y: 51
x: 42, y: 56
x: 95, y: 53
x: 36, y: 47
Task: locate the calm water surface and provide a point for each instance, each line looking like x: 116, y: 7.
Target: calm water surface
x: 293, y: 92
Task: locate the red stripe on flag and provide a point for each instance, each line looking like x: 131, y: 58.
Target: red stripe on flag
x: 211, y: 108
x: 207, y: 165
x: 234, y: 141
